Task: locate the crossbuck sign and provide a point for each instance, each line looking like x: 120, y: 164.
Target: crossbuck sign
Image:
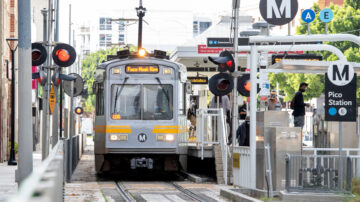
x: 278, y: 12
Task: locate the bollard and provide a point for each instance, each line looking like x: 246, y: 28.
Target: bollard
x: 287, y: 173
x: 348, y: 174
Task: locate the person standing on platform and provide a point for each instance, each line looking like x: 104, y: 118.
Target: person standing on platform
x: 191, y: 115
x: 298, y: 105
x: 225, y: 105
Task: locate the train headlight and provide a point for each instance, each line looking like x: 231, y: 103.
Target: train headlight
x: 169, y: 137
x: 113, y: 137
x: 116, y: 71
x: 118, y: 137
x: 167, y: 71
x: 142, y: 52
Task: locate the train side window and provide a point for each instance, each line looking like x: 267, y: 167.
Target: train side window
x: 100, y: 100
x: 181, y: 99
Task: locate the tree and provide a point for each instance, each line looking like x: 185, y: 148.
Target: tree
x: 346, y: 20
x: 89, y: 64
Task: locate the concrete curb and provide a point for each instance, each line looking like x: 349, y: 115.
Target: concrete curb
x: 236, y: 196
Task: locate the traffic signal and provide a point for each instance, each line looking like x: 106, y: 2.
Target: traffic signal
x: 225, y: 62
x: 79, y: 110
x: 221, y: 84
x: 38, y: 54
x: 64, y: 55
x: 244, y: 86
x: 41, y: 76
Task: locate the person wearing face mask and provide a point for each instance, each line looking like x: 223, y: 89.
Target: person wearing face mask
x: 299, y: 106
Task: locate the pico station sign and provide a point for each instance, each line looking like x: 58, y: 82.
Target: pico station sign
x: 340, y: 93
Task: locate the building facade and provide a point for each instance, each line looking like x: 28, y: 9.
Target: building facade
x: 8, y: 29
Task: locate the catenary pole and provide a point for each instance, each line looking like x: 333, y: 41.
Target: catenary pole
x: 45, y: 105
x: 253, y: 103
x: 25, y: 139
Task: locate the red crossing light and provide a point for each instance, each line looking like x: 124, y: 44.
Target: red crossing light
x: 64, y: 55
x: 221, y: 84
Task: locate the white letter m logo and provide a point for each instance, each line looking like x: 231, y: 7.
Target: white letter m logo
x: 284, y: 7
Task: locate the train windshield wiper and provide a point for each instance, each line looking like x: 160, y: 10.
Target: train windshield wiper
x: 162, y: 87
x: 118, y: 92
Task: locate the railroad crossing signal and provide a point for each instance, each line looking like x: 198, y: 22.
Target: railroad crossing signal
x: 79, y: 110
x: 225, y: 61
x: 52, y: 99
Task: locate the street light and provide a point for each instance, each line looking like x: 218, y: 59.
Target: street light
x: 12, y: 160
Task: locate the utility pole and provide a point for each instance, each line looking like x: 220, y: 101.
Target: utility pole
x: 24, y: 92
x: 236, y: 6
x: 140, y: 13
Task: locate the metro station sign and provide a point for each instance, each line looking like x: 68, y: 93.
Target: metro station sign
x: 340, y: 93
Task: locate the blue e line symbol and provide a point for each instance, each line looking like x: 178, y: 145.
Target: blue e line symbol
x: 332, y: 111
x: 326, y: 15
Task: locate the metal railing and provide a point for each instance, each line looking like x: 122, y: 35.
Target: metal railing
x: 241, y: 166
x: 317, y: 173
x: 353, y: 153
x: 211, y: 129
x: 46, y: 181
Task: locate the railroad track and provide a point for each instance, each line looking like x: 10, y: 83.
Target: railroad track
x: 191, y: 196
x: 124, y: 194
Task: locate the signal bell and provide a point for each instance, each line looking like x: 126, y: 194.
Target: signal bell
x: 221, y: 84
x: 225, y: 61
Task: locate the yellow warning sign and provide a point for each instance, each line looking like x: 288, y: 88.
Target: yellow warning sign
x: 236, y: 160
x: 52, y: 99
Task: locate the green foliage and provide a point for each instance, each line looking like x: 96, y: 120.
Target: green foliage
x: 89, y: 64
x: 15, y: 147
x: 346, y: 20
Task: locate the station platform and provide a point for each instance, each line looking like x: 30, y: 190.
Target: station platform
x: 8, y: 186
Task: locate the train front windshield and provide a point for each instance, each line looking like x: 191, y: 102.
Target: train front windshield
x: 142, y: 102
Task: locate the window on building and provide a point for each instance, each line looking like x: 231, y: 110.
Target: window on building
x: 105, y: 39
x: 108, y: 39
x: 204, y: 26
x: 121, y: 26
x: 196, y: 28
x: 105, y: 24
x: 121, y: 38
x: 102, y: 39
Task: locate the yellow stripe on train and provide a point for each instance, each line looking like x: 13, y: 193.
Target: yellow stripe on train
x: 112, y: 129
x: 169, y: 129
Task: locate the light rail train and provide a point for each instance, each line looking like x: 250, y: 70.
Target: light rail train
x: 140, y: 114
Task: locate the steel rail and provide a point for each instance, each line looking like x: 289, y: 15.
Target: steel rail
x: 188, y: 193
x: 124, y: 194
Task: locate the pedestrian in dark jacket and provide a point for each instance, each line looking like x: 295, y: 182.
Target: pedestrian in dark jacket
x: 299, y: 106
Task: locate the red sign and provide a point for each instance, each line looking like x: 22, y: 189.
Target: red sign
x: 34, y: 81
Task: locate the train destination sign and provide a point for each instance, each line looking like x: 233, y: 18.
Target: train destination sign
x: 142, y: 69
x: 340, y: 93
x: 198, y: 80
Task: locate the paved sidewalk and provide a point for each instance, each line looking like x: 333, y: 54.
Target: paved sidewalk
x: 8, y: 186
